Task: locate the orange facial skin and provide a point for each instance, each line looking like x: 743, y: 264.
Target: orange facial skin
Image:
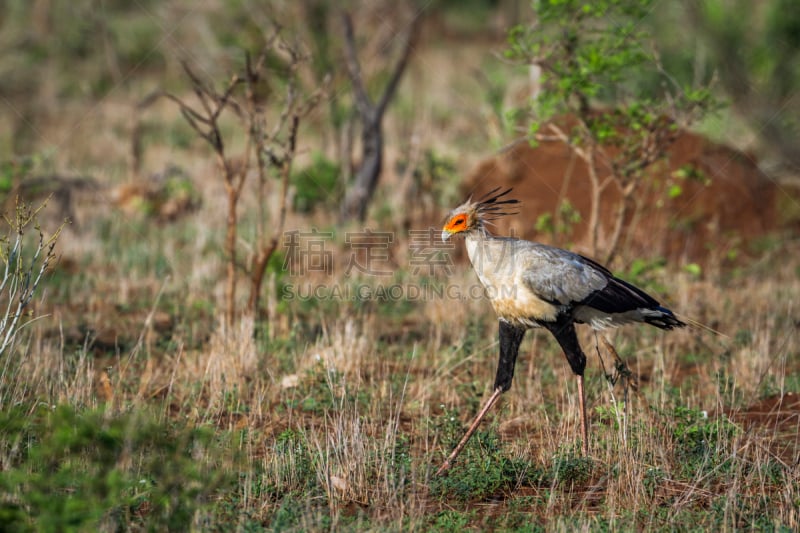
x: 457, y: 223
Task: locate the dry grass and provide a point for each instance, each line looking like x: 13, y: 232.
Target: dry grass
x: 338, y: 415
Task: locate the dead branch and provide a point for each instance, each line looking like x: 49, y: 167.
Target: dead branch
x: 363, y: 101
x: 137, y: 149
x: 270, y: 148
x: 371, y: 116
x: 263, y: 256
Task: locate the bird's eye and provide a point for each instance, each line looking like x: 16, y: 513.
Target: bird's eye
x: 456, y: 223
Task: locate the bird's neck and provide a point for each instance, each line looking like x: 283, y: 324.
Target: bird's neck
x: 476, y: 238
x: 485, y: 249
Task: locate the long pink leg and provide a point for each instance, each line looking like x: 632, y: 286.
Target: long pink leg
x: 475, y: 423
x: 584, y: 422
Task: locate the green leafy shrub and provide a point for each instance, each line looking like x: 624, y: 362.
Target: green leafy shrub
x: 699, y: 436
x: 317, y: 185
x: 72, y: 470
x: 482, y: 470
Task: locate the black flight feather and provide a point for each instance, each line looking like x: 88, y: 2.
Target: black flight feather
x: 619, y: 296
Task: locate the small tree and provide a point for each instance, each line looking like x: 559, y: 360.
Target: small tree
x: 758, y: 61
x: 269, y: 148
x: 24, y: 267
x: 371, y: 115
x: 588, y: 56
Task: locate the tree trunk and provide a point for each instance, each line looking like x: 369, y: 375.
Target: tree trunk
x: 358, y: 197
x: 230, y: 249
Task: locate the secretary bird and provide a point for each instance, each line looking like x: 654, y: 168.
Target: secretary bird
x: 532, y: 285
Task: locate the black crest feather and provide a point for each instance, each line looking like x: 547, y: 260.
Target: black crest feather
x: 492, y: 207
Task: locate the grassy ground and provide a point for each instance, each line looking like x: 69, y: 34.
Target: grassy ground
x: 131, y: 406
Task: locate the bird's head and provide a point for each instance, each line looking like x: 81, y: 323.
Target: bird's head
x: 473, y: 216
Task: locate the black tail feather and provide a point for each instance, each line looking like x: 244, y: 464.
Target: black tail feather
x: 663, y: 318
x: 619, y: 296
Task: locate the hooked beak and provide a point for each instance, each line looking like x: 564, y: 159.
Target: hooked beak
x: 445, y: 235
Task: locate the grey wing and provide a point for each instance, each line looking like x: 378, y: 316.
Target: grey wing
x: 561, y: 277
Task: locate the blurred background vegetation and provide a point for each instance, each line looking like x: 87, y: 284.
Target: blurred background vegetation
x: 58, y: 54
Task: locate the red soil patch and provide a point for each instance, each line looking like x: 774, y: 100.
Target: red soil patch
x: 778, y: 418
x: 725, y: 206
x: 776, y: 414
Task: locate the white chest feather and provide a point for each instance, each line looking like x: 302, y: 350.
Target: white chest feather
x: 500, y: 272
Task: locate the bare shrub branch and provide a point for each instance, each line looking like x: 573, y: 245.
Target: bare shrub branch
x: 266, y: 148
x: 22, y: 274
